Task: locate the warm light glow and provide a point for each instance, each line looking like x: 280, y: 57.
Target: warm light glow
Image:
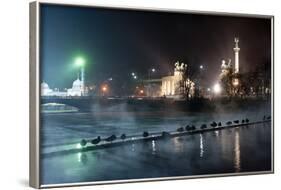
x: 201, y: 67
x: 217, y: 88
x: 153, y: 70
x: 141, y: 91
x: 235, y: 82
x: 80, y: 61
x: 104, y: 88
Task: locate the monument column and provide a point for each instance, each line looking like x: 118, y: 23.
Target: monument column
x: 236, y: 50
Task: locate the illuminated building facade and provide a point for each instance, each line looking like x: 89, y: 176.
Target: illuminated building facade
x: 78, y: 89
x: 174, y: 86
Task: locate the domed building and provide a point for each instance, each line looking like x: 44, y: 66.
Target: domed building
x: 77, y: 88
x: 45, y: 89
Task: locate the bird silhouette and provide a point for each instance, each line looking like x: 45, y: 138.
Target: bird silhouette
x: 96, y: 140
x: 165, y: 134
x: 228, y: 123
x: 180, y: 129
x: 83, y: 142
x: 123, y: 136
x: 145, y: 134
x: 203, y: 126
x: 247, y: 120
x: 213, y: 124
x: 236, y: 121
x: 111, y: 138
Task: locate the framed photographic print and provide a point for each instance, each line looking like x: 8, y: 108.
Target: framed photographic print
x: 121, y: 94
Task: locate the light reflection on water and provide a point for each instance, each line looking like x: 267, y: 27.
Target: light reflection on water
x: 153, y: 147
x: 237, y: 152
x: 231, y: 150
x: 201, y: 146
x: 186, y: 155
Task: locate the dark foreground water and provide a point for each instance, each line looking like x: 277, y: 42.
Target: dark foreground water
x: 243, y: 149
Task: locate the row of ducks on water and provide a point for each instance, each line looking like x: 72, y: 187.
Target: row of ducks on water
x: 166, y: 134
x: 213, y: 124
x: 108, y: 139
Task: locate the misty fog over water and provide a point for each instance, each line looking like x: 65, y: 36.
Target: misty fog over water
x: 102, y: 121
x: 242, y: 149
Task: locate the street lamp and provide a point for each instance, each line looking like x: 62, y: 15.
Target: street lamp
x: 201, y: 67
x: 104, y: 89
x: 217, y: 88
x: 153, y: 70
x: 80, y: 62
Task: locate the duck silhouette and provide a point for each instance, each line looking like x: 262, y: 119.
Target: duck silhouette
x: 145, y: 134
x: 123, y: 136
x: 236, y: 121
x: 83, y: 142
x: 96, y: 140
x: 247, y: 120
x: 213, y: 124
x: 219, y: 124
x: 180, y: 129
x: 165, y: 134
x: 228, y: 123
x: 111, y: 138
x: 203, y: 126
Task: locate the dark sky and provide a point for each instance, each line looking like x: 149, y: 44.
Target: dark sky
x: 118, y: 42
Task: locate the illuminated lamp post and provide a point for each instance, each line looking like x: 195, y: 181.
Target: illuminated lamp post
x: 217, y: 89
x: 80, y: 62
x: 104, y: 89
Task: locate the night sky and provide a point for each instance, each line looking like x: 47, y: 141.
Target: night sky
x: 118, y: 42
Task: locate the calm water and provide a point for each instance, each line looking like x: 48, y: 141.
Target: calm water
x: 232, y: 150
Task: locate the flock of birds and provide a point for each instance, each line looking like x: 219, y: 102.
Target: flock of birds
x: 167, y: 134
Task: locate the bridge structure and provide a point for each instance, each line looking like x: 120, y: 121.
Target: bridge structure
x: 83, y: 103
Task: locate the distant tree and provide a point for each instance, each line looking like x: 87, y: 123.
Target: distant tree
x: 227, y: 81
x: 189, y: 78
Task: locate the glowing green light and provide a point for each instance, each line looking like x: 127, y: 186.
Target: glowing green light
x: 80, y: 61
